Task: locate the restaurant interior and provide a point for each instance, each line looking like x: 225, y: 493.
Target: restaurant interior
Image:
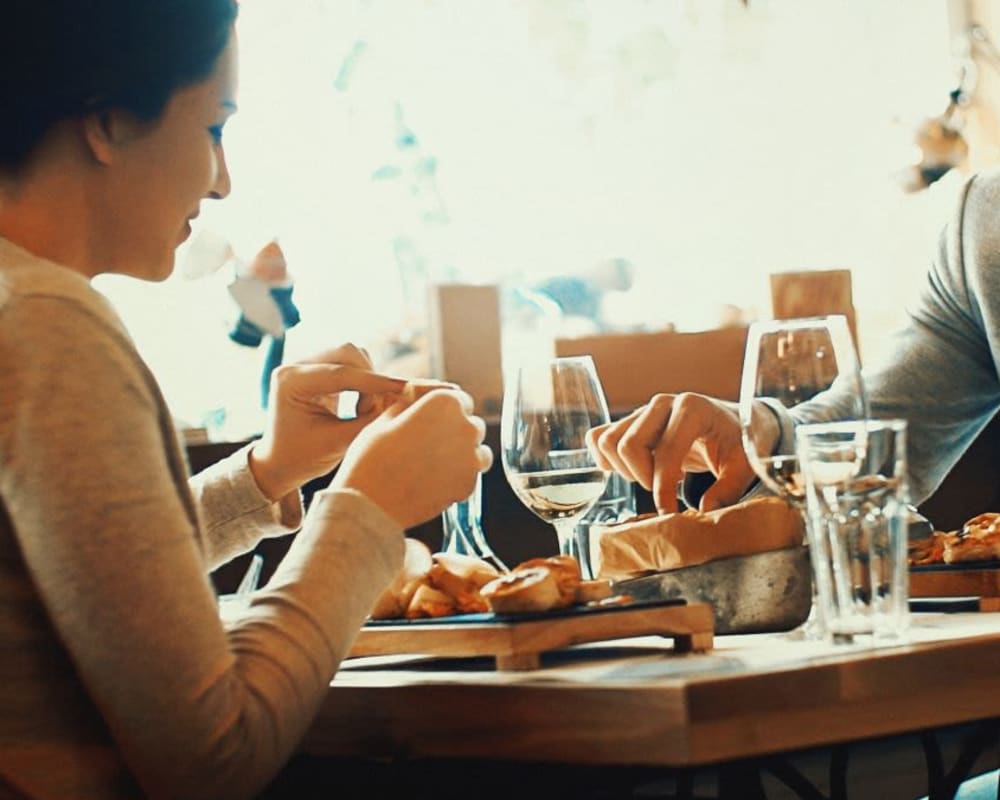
x: 638, y: 182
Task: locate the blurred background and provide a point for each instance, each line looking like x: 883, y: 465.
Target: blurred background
x: 612, y: 166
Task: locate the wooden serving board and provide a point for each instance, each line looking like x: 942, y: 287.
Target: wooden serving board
x: 959, y: 580
x: 518, y: 641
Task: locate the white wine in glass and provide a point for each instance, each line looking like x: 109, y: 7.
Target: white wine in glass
x: 548, y: 407
x: 791, y: 361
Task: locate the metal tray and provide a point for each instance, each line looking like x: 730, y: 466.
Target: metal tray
x: 759, y: 593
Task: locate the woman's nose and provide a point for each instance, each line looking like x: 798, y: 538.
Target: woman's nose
x: 223, y: 185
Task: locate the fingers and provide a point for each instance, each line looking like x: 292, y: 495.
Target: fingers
x: 346, y: 354
x: 655, y: 444
x: 441, y: 402
x: 431, y: 399
x: 305, y: 381
x: 371, y: 405
x: 691, y: 420
x: 484, y: 455
x: 729, y: 487
x: 592, y: 438
x: 607, y: 438
x: 638, y: 445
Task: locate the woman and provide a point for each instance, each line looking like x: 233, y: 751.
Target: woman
x: 117, y: 678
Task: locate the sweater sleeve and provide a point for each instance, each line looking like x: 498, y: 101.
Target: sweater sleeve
x: 109, y: 537
x: 941, y: 373
x: 235, y: 514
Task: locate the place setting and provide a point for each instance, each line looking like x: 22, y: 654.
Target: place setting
x: 465, y: 601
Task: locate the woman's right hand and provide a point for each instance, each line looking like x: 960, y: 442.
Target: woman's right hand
x: 415, y: 460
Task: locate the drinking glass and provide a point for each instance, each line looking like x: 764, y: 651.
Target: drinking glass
x: 790, y: 361
x: 617, y: 504
x: 548, y: 407
x: 857, y: 501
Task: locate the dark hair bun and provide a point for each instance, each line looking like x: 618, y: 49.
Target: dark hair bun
x: 60, y: 59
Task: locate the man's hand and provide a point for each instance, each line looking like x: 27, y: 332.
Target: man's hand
x: 673, y: 434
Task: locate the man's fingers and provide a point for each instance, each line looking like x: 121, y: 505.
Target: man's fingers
x: 727, y: 489
x: 639, y: 446
x: 666, y: 475
x: 608, y: 438
x: 591, y: 437
x: 689, y: 421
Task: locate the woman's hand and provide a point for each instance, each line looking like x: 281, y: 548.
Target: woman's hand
x: 417, y: 459
x: 673, y: 434
x: 305, y: 438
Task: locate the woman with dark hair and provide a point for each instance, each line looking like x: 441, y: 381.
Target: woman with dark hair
x: 117, y: 678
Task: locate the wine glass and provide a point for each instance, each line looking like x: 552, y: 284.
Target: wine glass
x: 548, y: 407
x: 790, y: 361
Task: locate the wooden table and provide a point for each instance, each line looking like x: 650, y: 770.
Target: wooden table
x: 635, y: 703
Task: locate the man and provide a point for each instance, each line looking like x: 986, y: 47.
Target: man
x: 941, y: 376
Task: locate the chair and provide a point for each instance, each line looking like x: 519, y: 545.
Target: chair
x: 634, y: 366
x: 814, y: 293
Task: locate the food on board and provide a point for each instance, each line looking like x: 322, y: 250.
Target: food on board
x: 443, y: 584
x: 977, y: 540
x: 524, y: 590
x: 396, y: 597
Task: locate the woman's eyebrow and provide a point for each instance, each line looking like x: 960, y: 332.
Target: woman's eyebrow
x: 229, y: 105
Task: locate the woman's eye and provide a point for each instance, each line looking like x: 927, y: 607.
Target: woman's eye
x: 216, y: 133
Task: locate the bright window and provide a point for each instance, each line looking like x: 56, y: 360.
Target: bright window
x: 707, y: 142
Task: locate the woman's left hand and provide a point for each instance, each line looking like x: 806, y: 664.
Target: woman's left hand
x: 305, y: 438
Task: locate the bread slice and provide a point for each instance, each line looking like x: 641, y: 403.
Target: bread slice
x: 654, y: 543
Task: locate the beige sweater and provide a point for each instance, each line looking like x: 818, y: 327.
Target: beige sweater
x: 117, y: 678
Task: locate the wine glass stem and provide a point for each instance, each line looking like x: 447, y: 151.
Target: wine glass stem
x: 566, y: 534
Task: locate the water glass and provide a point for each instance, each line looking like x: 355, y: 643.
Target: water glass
x: 616, y: 505
x: 549, y: 406
x: 857, y: 519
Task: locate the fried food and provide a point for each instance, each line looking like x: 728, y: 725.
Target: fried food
x: 523, y: 590
x: 462, y: 577
x: 565, y: 569
x: 430, y: 602
x: 977, y: 540
x: 444, y: 584
x: 594, y: 591
x: 395, y: 599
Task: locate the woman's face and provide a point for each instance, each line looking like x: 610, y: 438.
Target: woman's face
x: 167, y: 168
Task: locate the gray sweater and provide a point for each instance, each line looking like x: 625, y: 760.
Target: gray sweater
x: 117, y: 677
x: 941, y: 374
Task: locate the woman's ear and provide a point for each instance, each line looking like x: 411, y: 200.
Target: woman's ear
x: 105, y: 132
